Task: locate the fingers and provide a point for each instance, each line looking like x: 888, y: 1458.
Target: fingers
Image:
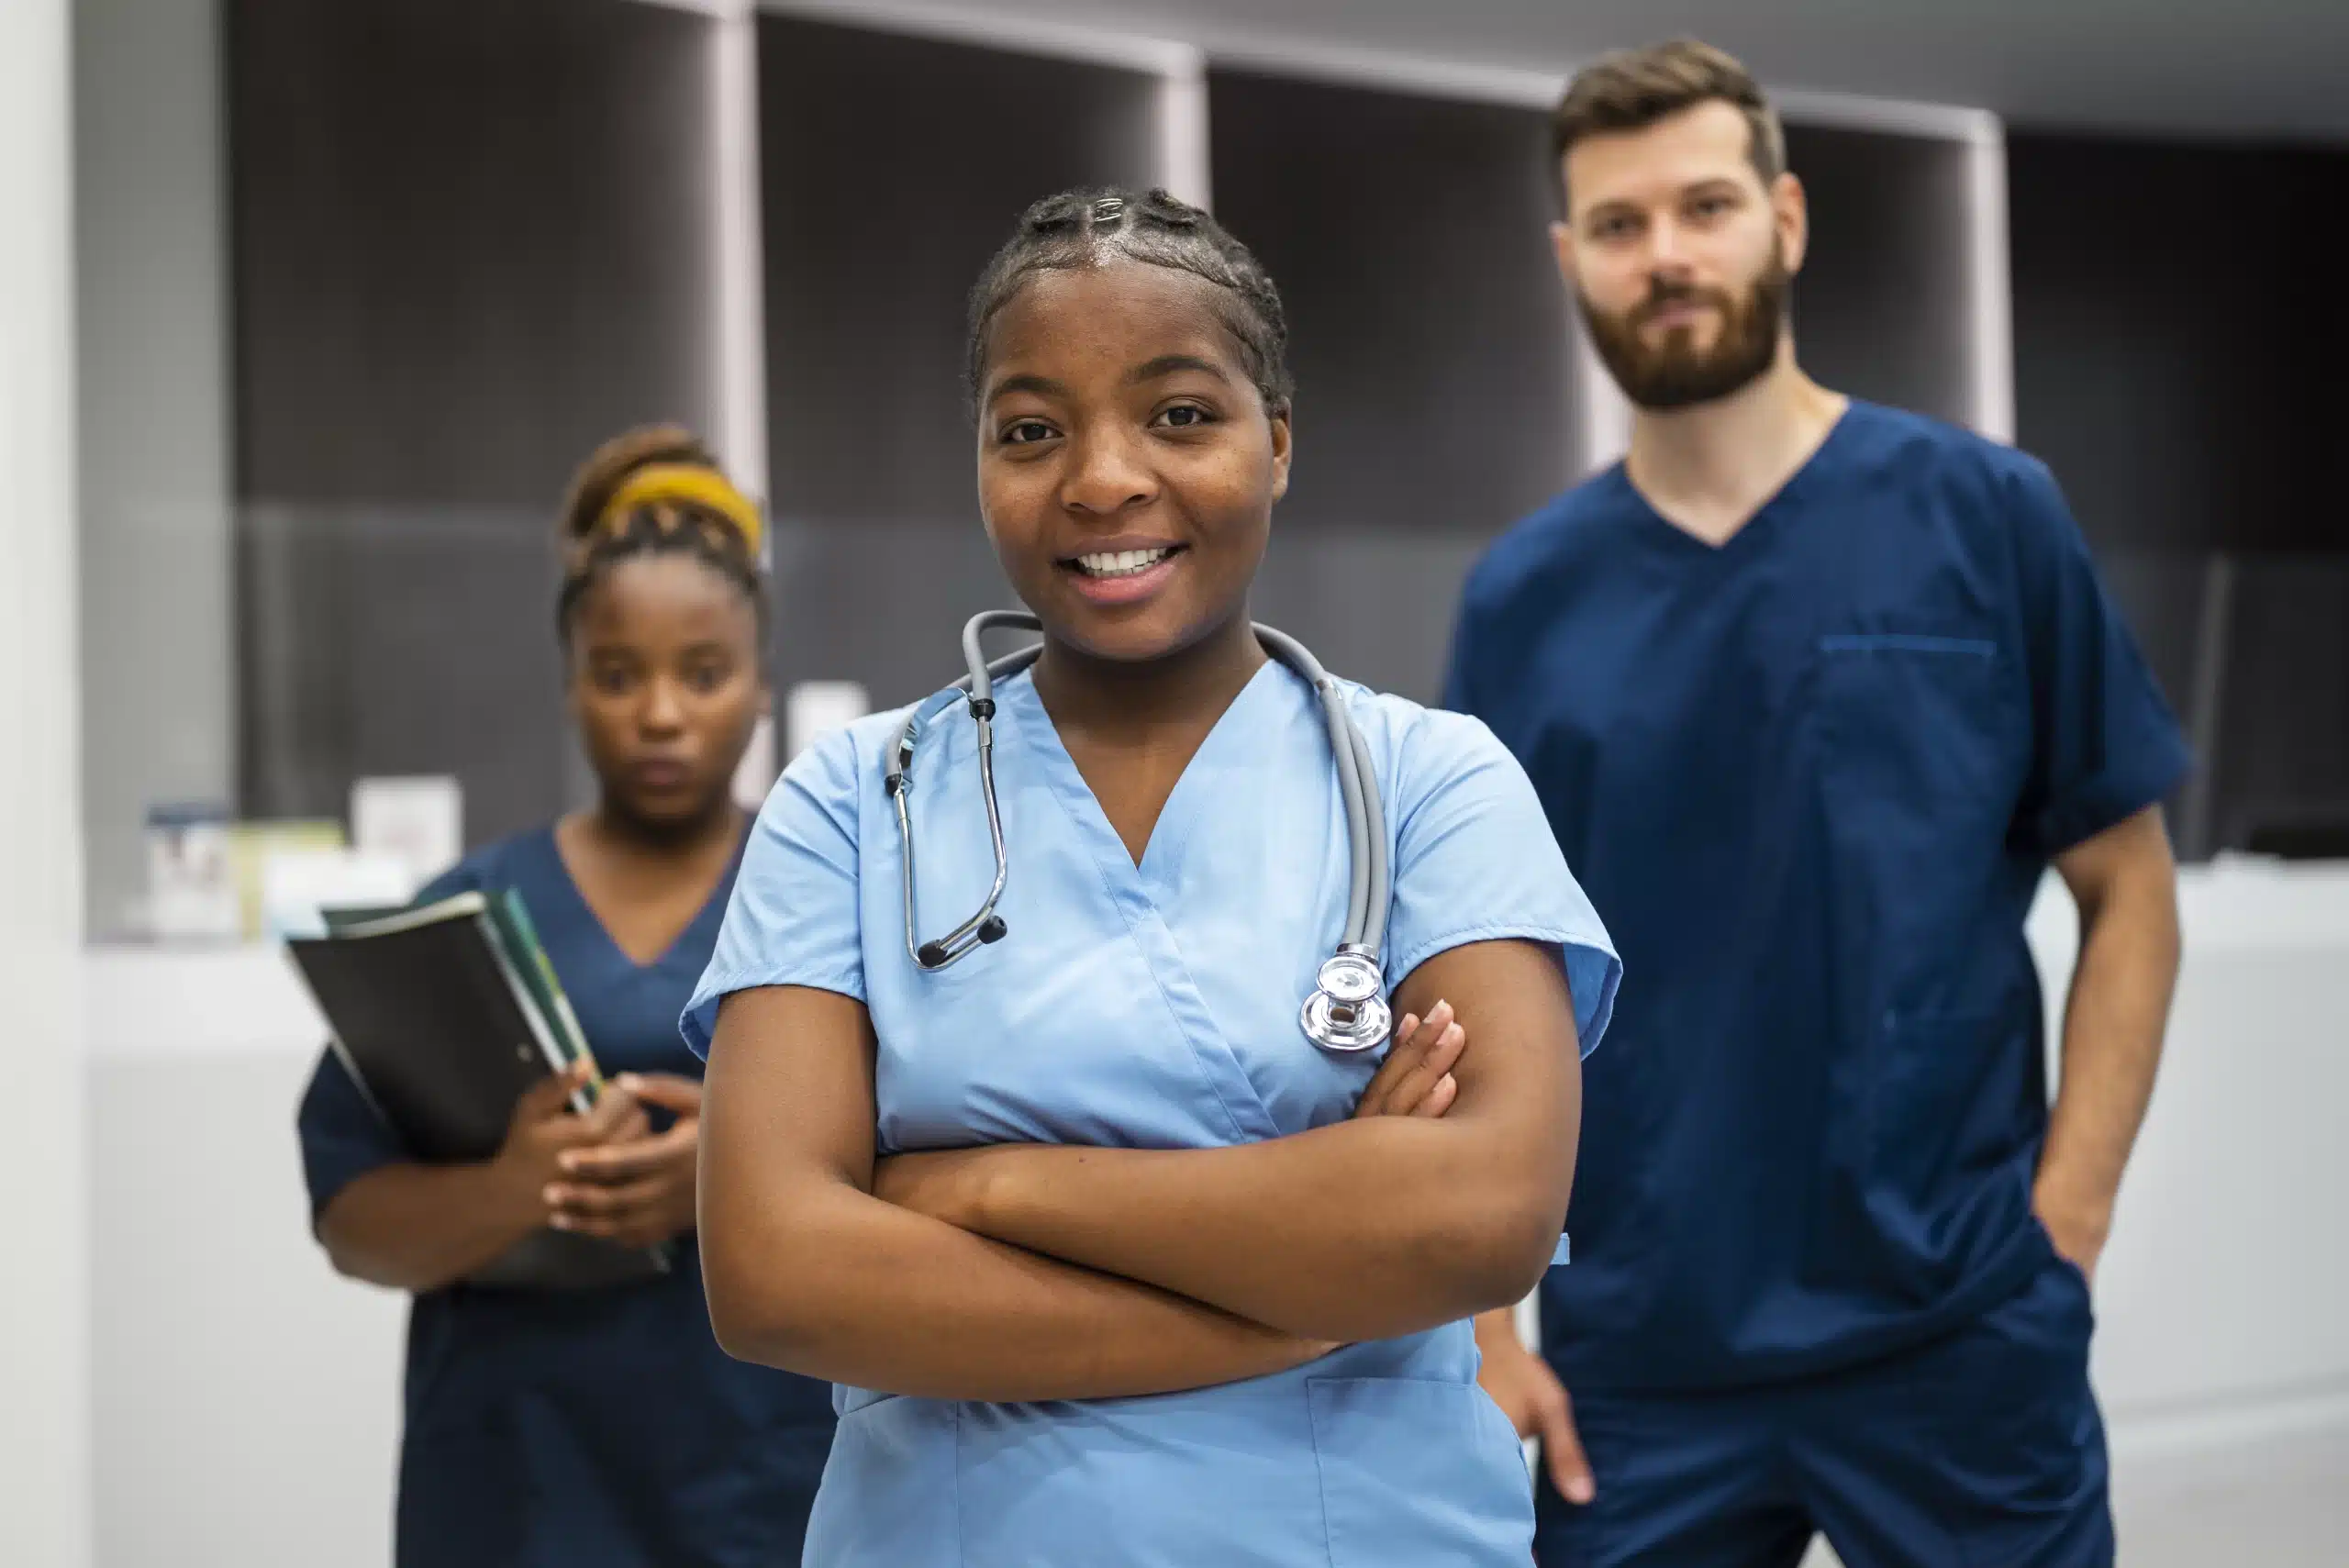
x: 667, y: 1090
x: 634, y: 1215
x: 1561, y: 1445
x: 626, y: 1160
x: 549, y: 1097
x: 578, y: 1206
x: 1424, y: 1054
x: 1439, y: 1097
x: 614, y: 1115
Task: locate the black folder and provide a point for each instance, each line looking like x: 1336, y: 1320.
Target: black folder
x: 432, y: 1016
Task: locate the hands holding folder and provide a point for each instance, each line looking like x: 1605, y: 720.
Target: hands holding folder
x: 626, y: 1184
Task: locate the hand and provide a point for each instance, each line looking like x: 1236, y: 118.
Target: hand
x: 541, y: 1130
x: 1536, y: 1404
x: 1416, y: 1078
x: 2077, y: 1229
x: 638, y: 1191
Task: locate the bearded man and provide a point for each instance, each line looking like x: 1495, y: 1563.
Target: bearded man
x: 1814, y: 693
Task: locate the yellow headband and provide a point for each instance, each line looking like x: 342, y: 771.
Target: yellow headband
x: 703, y: 487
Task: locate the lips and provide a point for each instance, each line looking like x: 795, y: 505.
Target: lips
x: 661, y: 774
x: 1122, y: 572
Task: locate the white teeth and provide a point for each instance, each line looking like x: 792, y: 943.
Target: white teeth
x: 1120, y: 563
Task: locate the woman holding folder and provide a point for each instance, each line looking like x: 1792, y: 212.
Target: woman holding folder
x: 597, y: 1427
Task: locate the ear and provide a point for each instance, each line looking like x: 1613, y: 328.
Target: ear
x: 1562, y: 242
x: 1790, y: 216
x: 1284, y: 438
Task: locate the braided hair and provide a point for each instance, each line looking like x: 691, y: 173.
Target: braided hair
x: 699, y: 515
x: 1097, y: 225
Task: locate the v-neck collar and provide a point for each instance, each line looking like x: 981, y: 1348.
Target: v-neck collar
x: 583, y: 913
x: 1760, y: 524
x: 1172, y: 831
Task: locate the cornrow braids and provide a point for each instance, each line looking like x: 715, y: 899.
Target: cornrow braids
x: 1095, y: 225
x: 594, y: 542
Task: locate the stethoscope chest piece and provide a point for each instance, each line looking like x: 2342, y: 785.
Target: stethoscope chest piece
x: 1347, y: 1010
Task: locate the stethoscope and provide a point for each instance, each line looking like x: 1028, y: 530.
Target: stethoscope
x: 1348, y: 1010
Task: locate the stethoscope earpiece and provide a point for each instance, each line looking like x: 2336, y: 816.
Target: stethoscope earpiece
x: 1347, y: 1011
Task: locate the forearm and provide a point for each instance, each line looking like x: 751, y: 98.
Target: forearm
x: 905, y: 1303
x: 420, y: 1227
x: 1365, y: 1229
x: 2113, y: 1023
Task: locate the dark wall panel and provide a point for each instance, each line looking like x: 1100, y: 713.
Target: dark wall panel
x: 1410, y: 239
x: 2179, y: 362
x: 470, y: 239
x: 2179, y: 343
x: 1882, y: 307
x: 892, y: 167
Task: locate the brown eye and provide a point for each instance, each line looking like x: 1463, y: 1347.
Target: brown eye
x: 1026, y: 433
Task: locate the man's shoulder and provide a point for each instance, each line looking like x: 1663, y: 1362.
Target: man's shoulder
x: 1925, y: 450
x: 1564, y: 532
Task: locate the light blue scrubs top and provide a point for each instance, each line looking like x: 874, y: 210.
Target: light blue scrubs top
x: 1154, y: 1006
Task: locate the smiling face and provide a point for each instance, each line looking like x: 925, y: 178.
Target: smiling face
x: 1128, y: 465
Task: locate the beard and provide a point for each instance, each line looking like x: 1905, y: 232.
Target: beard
x: 1676, y: 373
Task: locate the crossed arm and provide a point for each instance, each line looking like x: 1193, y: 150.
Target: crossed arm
x: 1025, y: 1272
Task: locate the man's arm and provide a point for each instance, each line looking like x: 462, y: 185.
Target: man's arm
x: 1365, y: 1230
x: 2125, y: 883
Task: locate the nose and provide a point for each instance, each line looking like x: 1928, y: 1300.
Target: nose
x: 663, y: 712
x: 1106, y: 474
x: 1667, y: 256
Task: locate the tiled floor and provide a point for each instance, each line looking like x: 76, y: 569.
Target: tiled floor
x: 2283, y: 1504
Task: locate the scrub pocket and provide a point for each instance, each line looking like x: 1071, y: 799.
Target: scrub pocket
x: 1922, y: 747
x: 1942, y: 1112
x: 1916, y: 718
x: 1418, y: 1472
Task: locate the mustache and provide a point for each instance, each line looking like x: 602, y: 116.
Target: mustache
x: 1662, y: 295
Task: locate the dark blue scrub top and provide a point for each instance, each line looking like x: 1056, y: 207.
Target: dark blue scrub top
x: 592, y: 1430
x: 1811, y: 779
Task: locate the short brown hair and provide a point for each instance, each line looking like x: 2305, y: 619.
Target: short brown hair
x: 1634, y: 89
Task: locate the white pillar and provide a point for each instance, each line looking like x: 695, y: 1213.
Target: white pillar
x: 44, y: 1357
x: 153, y: 384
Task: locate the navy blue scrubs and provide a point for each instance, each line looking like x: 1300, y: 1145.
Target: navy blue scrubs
x: 1812, y: 778
x: 599, y: 1429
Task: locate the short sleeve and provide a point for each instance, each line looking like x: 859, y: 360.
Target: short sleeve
x: 793, y: 919
x: 343, y: 1136
x: 2105, y: 743
x: 1475, y: 861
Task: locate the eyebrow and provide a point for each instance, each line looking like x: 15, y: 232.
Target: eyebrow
x: 1170, y: 364
x: 1041, y: 385
x: 1158, y: 369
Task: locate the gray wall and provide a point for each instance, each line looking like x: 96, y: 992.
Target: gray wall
x: 159, y: 704
x: 1882, y: 309
x: 472, y: 239
x: 892, y: 168
x: 1428, y: 336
